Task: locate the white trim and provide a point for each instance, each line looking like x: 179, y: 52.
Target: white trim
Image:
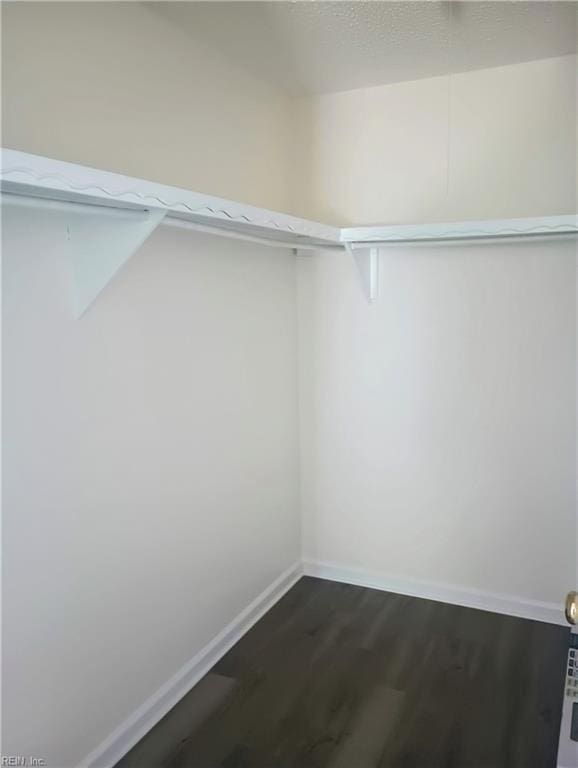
x: 444, y: 593
x: 123, y: 738
x: 137, y: 725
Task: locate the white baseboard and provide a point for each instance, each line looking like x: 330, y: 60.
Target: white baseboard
x: 443, y: 593
x: 120, y: 741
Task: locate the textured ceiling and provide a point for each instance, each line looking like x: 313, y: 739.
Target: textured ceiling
x: 319, y: 47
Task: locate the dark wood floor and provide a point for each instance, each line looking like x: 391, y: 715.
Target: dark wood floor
x: 346, y: 677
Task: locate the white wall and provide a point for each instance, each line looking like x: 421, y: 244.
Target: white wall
x: 151, y: 447
x: 438, y: 425
x: 380, y: 155
x: 438, y: 431
x: 118, y: 87
x: 150, y: 470
x: 146, y: 99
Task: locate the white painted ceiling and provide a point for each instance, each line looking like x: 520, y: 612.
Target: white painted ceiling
x: 321, y: 47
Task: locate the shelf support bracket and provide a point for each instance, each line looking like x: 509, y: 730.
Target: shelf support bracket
x: 367, y: 263
x: 100, y: 240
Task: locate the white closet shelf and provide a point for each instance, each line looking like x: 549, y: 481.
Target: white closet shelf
x: 100, y: 249
x: 491, y: 229
x: 35, y: 176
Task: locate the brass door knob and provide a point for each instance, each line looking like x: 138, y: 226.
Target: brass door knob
x: 572, y: 607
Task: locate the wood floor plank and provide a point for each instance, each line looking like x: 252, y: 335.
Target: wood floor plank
x: 371, y: 730
x: 338, y: 676
x: 180, y: 724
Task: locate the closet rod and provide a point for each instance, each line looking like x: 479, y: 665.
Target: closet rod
x: 409, y: 242
x: 234, y: 235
